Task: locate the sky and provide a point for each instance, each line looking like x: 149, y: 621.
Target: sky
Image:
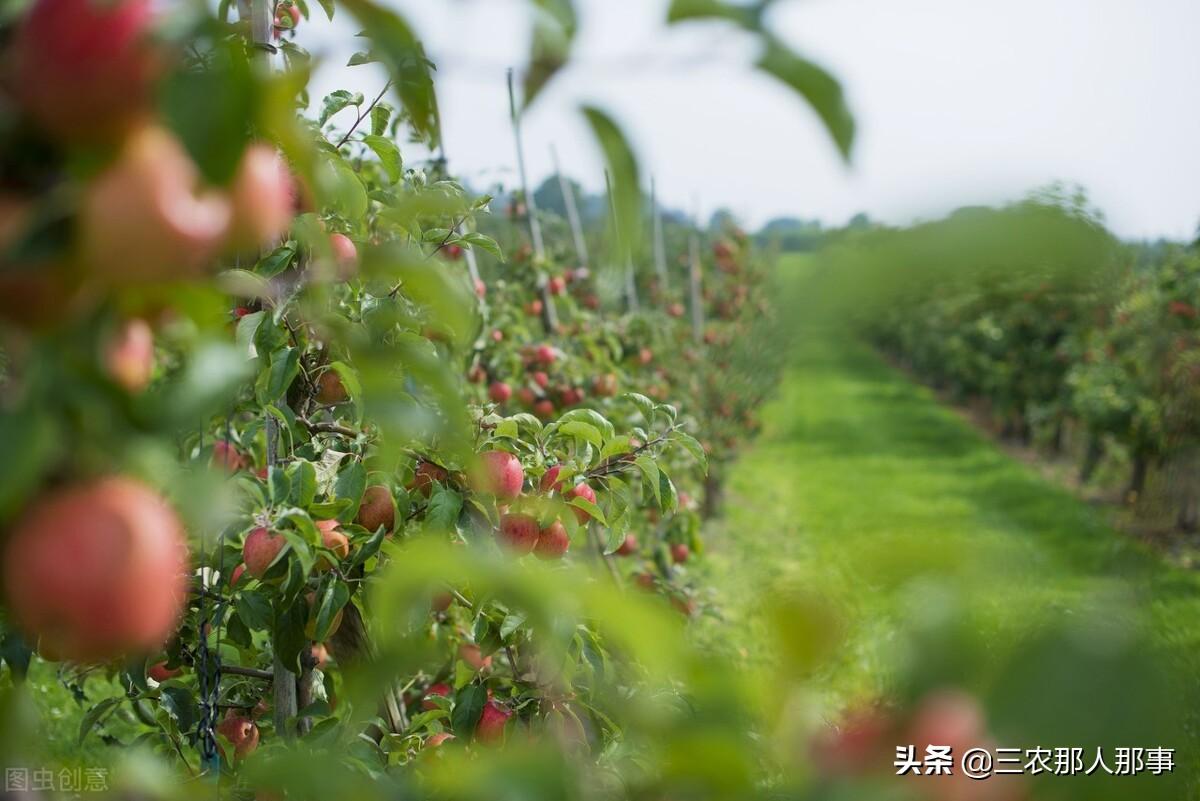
x: 958, y: 102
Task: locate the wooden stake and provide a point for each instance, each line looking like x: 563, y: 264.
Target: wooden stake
x: 697, y: 293
x: 660, y: 246
x: 549, y: 314
x: 573, y: 219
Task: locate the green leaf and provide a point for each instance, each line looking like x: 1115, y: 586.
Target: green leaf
x: 33, y: 434
x: 275, y: 262
x: 303, y: 477
x: 583, y: 431
x: 389, y: 155
x: 412, y: 75
x: 592, y: 509
x: 368, y: 548
x: 644, y: 405
x: 684, y: 10
x: 328, y: 6
x: 209, y: 110
x: 445, y: 505
x: 350, y: 485
x: 94, y: 715
x: 554, y: 28
x: 274, y: 382
x: 651, y: 473
x: 820, y: 89
x: 349, y: 378
x: 626, y: 183
x: 280, y: 484
x: 330, y: 599
x: 254, y: 609
x: 468, y: 708
x: 511, y: 623
x: 288, y: 635
x: 338, y: 101
x: 692, y: 446
x: 669, y: 500
x: 381, y: 115
x: 180, y: 705
x: 483, y: 242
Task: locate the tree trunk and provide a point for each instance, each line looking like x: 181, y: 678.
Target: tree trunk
x: 713, y: 492
x: 1137, y: 478
x: 1056, y: 440
x: 1091, y: 458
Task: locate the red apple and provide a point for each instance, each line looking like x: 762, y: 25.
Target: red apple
x: 376, y: 509
x: 580, y: 491
x: 628, y: 547
x: 499, y: 392
x: 262, y: 194
x: 473, y: 656
x: 605, y: 385
x: 143, y: 218
x: 680, y: 553
x: 545, y: 354
x: 544, y: 409
x: 129, y: 355
x: 241, y: 732
x: 330, y: 389
x: 645, y: 356
x: 424, y: 476
x: 437, y: 739
x: 541, y: 379
x: 160, y: 672
x: 333, y: 539
x: 500, y: 474
x: 518, y: 533
x: 345, y: 256
x: 550, y: 481
x: 556, y: 285
x: 439, y: 689
x: 552, y: 542
x: 84, y: 70
x: 236, y: 575
x: 492, y: 723
x: 526, y: 396
x: 98, y: 570
x: 260, y: 549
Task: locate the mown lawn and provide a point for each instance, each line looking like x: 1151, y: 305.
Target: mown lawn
x: 944, y: 558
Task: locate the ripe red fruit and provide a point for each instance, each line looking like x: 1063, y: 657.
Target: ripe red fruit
x: 552, y: 542
x: 453, y: 252
x: 345, y: 256
x: 330, y: 389
x: 333, y: 539
x: 580, y: 491
x: 675, y: 310
x: 645, y: 356
x: 605, y: 385
x: 644, y: 580
x: 476, y: 374
x: 533, y: 308
x: 425, y: 474
x: 236, y: 575
x: 550, y: 480
x: 544, y: 354
x: 499, y: 392
x: 628, y: 547
x: 241, y: 732
x: 544, y: 409
x: 571, y: 396
x: 526, y: 396
x: 492, y: 723
x: 518, y: 533
x: 262, y: 194
x: 473, y: 656
x: 541, y: 379
x: 556, y: 285
x: 98, y: 570
x: 260, y: 550
x: 320, y: 655
x: 500, y: 474
x: 497, y: 335
x: 437, y: 739
x: 160, y: 672
x: 129, y: 355
x: 480, y: 291
x: 438, y: 689
x: 680, y: 553
x: 83, y: 69
x: 441, y: 601
x: 376, y: 509
x: 146, y: 203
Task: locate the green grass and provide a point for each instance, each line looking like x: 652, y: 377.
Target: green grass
x: 942, y: 559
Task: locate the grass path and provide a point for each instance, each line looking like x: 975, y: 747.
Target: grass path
x: 864, y: 489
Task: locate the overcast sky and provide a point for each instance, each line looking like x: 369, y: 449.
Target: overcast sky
x: 957, y: 101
